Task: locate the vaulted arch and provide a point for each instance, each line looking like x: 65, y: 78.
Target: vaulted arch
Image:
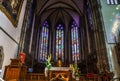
x: 62, y: 3
x: 71, y: 28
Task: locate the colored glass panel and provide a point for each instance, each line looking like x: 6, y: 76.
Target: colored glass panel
x: 44, y: 42
x: 59, y: 42
x: 75, y: 42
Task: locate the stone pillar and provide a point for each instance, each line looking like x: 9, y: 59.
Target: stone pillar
x: 114, y: 62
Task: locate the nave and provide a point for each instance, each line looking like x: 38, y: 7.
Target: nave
x: 71, y: 31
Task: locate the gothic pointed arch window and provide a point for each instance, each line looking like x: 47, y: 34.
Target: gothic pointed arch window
x: 44, y: 42
x: 60, y: 42
x: 75, y: 42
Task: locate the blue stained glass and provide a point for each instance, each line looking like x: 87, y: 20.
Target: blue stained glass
x: 60, y: 42
x: 59, y: 25
x: 44, y: 41
x: 75, y: 42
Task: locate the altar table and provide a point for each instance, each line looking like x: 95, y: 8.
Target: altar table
x: 59, y: 72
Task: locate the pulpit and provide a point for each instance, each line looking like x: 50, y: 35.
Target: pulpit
x: 15, y: 70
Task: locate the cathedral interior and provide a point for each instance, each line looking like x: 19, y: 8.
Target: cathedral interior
x: 71, y: 38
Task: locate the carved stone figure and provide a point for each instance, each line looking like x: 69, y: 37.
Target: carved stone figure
x: 14, y: 4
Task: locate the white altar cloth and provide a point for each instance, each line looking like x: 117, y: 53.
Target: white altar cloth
x: 57, y: 69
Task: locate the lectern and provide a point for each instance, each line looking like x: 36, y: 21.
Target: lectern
x: 15, y: 70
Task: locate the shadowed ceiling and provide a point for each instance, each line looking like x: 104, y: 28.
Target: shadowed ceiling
x: 59, y: 10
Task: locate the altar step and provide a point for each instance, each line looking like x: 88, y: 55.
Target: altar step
x: 24, y: 80
x: 35, y: 80
x: 70, y: 80
x: 41, y: 77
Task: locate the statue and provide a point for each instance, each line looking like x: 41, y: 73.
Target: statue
x: 14, y: 4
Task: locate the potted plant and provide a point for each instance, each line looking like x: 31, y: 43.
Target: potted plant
x: 76, y: 72
x: 48, y: 63
x: 48, y: 66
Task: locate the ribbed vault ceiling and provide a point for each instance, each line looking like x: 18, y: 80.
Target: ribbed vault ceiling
x: 60, y: 10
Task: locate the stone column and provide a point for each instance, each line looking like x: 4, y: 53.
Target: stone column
x: 114, y: 61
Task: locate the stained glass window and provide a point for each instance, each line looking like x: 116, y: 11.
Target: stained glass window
x: 59, y: 42
x: 44, y: 41
x: 75, y: 42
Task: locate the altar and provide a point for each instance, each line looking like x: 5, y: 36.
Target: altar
x: 64, y: 73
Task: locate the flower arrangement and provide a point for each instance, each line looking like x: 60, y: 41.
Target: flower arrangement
x: 75, y: 70
x: 48, y: 63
